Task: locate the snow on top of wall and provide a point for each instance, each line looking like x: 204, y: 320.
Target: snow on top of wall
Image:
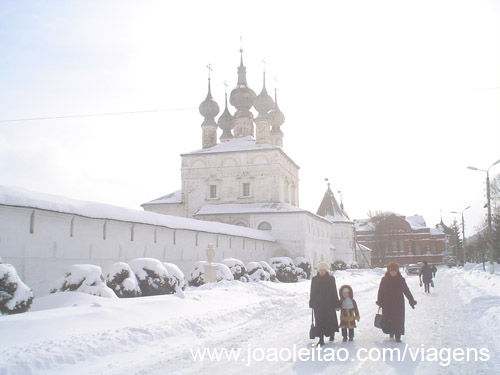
x: 172, y: 198
x: 234, y: 208
x: 337, y: 218
x: 235, y: 144
x: 10, y: 196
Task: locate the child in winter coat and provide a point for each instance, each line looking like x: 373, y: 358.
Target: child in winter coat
x: 348, y: 313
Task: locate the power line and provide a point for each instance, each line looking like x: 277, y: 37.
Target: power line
x: 97, y: 114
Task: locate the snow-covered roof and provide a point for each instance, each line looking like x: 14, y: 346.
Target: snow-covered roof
x: 361, y: 247
x: 330, y: 209
x: 436, y: 231
x: 363, y: 225
x: 244, y: 208
x: 172, y: 198
x: 11, y: 196
x: 235, y: 144
x: 254, y: 208
x: 247, y: 143
x: 416, y: 222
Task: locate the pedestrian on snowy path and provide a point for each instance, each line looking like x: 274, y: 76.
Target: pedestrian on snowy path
x: 349, y: 312
x: 391, y: 294
x: 434, y: 270
x: 425, y: 276
x: 324, y: 301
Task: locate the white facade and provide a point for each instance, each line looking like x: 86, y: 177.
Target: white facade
x: 246, y: 181
x: 42, y: 236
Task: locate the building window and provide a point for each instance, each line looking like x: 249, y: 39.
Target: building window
x: 213, y: 191
x: 241, y: 224
x: 246, y: 189
x: 264, y: 226
x: 72, y: 228
x: 32, y: 223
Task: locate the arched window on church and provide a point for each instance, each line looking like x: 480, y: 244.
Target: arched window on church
x: 241, y: 224
x: 264, y: 226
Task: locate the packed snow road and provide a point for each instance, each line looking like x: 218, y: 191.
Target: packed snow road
x: 235, y: 328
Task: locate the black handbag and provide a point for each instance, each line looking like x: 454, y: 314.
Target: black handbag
x: 379, y: 319
x: 313, y: 332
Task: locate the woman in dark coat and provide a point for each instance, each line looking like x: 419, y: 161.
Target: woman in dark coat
x: 391, y: 294
x: 324, y: 301
x: 425, y: 276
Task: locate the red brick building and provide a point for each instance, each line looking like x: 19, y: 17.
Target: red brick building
x: 402, y: 239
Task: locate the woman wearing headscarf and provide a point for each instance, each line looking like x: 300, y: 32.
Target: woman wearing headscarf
x: 324, y: 301
x: 391, y: 294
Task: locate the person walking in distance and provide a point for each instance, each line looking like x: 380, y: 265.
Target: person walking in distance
x: 425, y: 276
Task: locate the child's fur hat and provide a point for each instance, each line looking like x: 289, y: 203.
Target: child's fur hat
x: 341, y: 291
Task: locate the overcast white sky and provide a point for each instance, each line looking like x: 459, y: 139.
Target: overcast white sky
x: 391, y: 100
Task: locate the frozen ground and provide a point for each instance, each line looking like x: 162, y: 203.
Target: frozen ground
x: 74, y: 333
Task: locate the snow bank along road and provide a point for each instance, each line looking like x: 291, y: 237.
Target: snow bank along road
x: 263, y: 327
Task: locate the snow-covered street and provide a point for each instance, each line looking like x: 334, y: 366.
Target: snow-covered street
x: 74, y: 333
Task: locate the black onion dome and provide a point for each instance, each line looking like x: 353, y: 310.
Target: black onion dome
x: 209, y: 109
x: 242, y: 97
x: 277, y: 117
x: 264, y: 102
x: 225, y: 120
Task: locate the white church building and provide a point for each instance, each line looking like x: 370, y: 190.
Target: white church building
x: 240, y: 194
x: 248, y: 179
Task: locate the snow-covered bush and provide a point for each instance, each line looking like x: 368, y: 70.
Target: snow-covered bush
x: 256, y: 272
x: 237, y: 268
x: 85, y: 278
x: 338, y: 265
x: 266, y: 267
x: 197, y: 277
x: 301, y: 274
x: 15, y: 296
x: 122, y: 280
x: 177, y: 275
x: 153, y: 277
x: 305, y: 265
x: 353, y: 265
x: 285, y: 269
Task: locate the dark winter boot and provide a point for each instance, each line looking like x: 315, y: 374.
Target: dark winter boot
x: 344, y: 339
x: 398, y: 338
x: 332, y: 337
x: 391, y: 335
x: 321, y: 341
